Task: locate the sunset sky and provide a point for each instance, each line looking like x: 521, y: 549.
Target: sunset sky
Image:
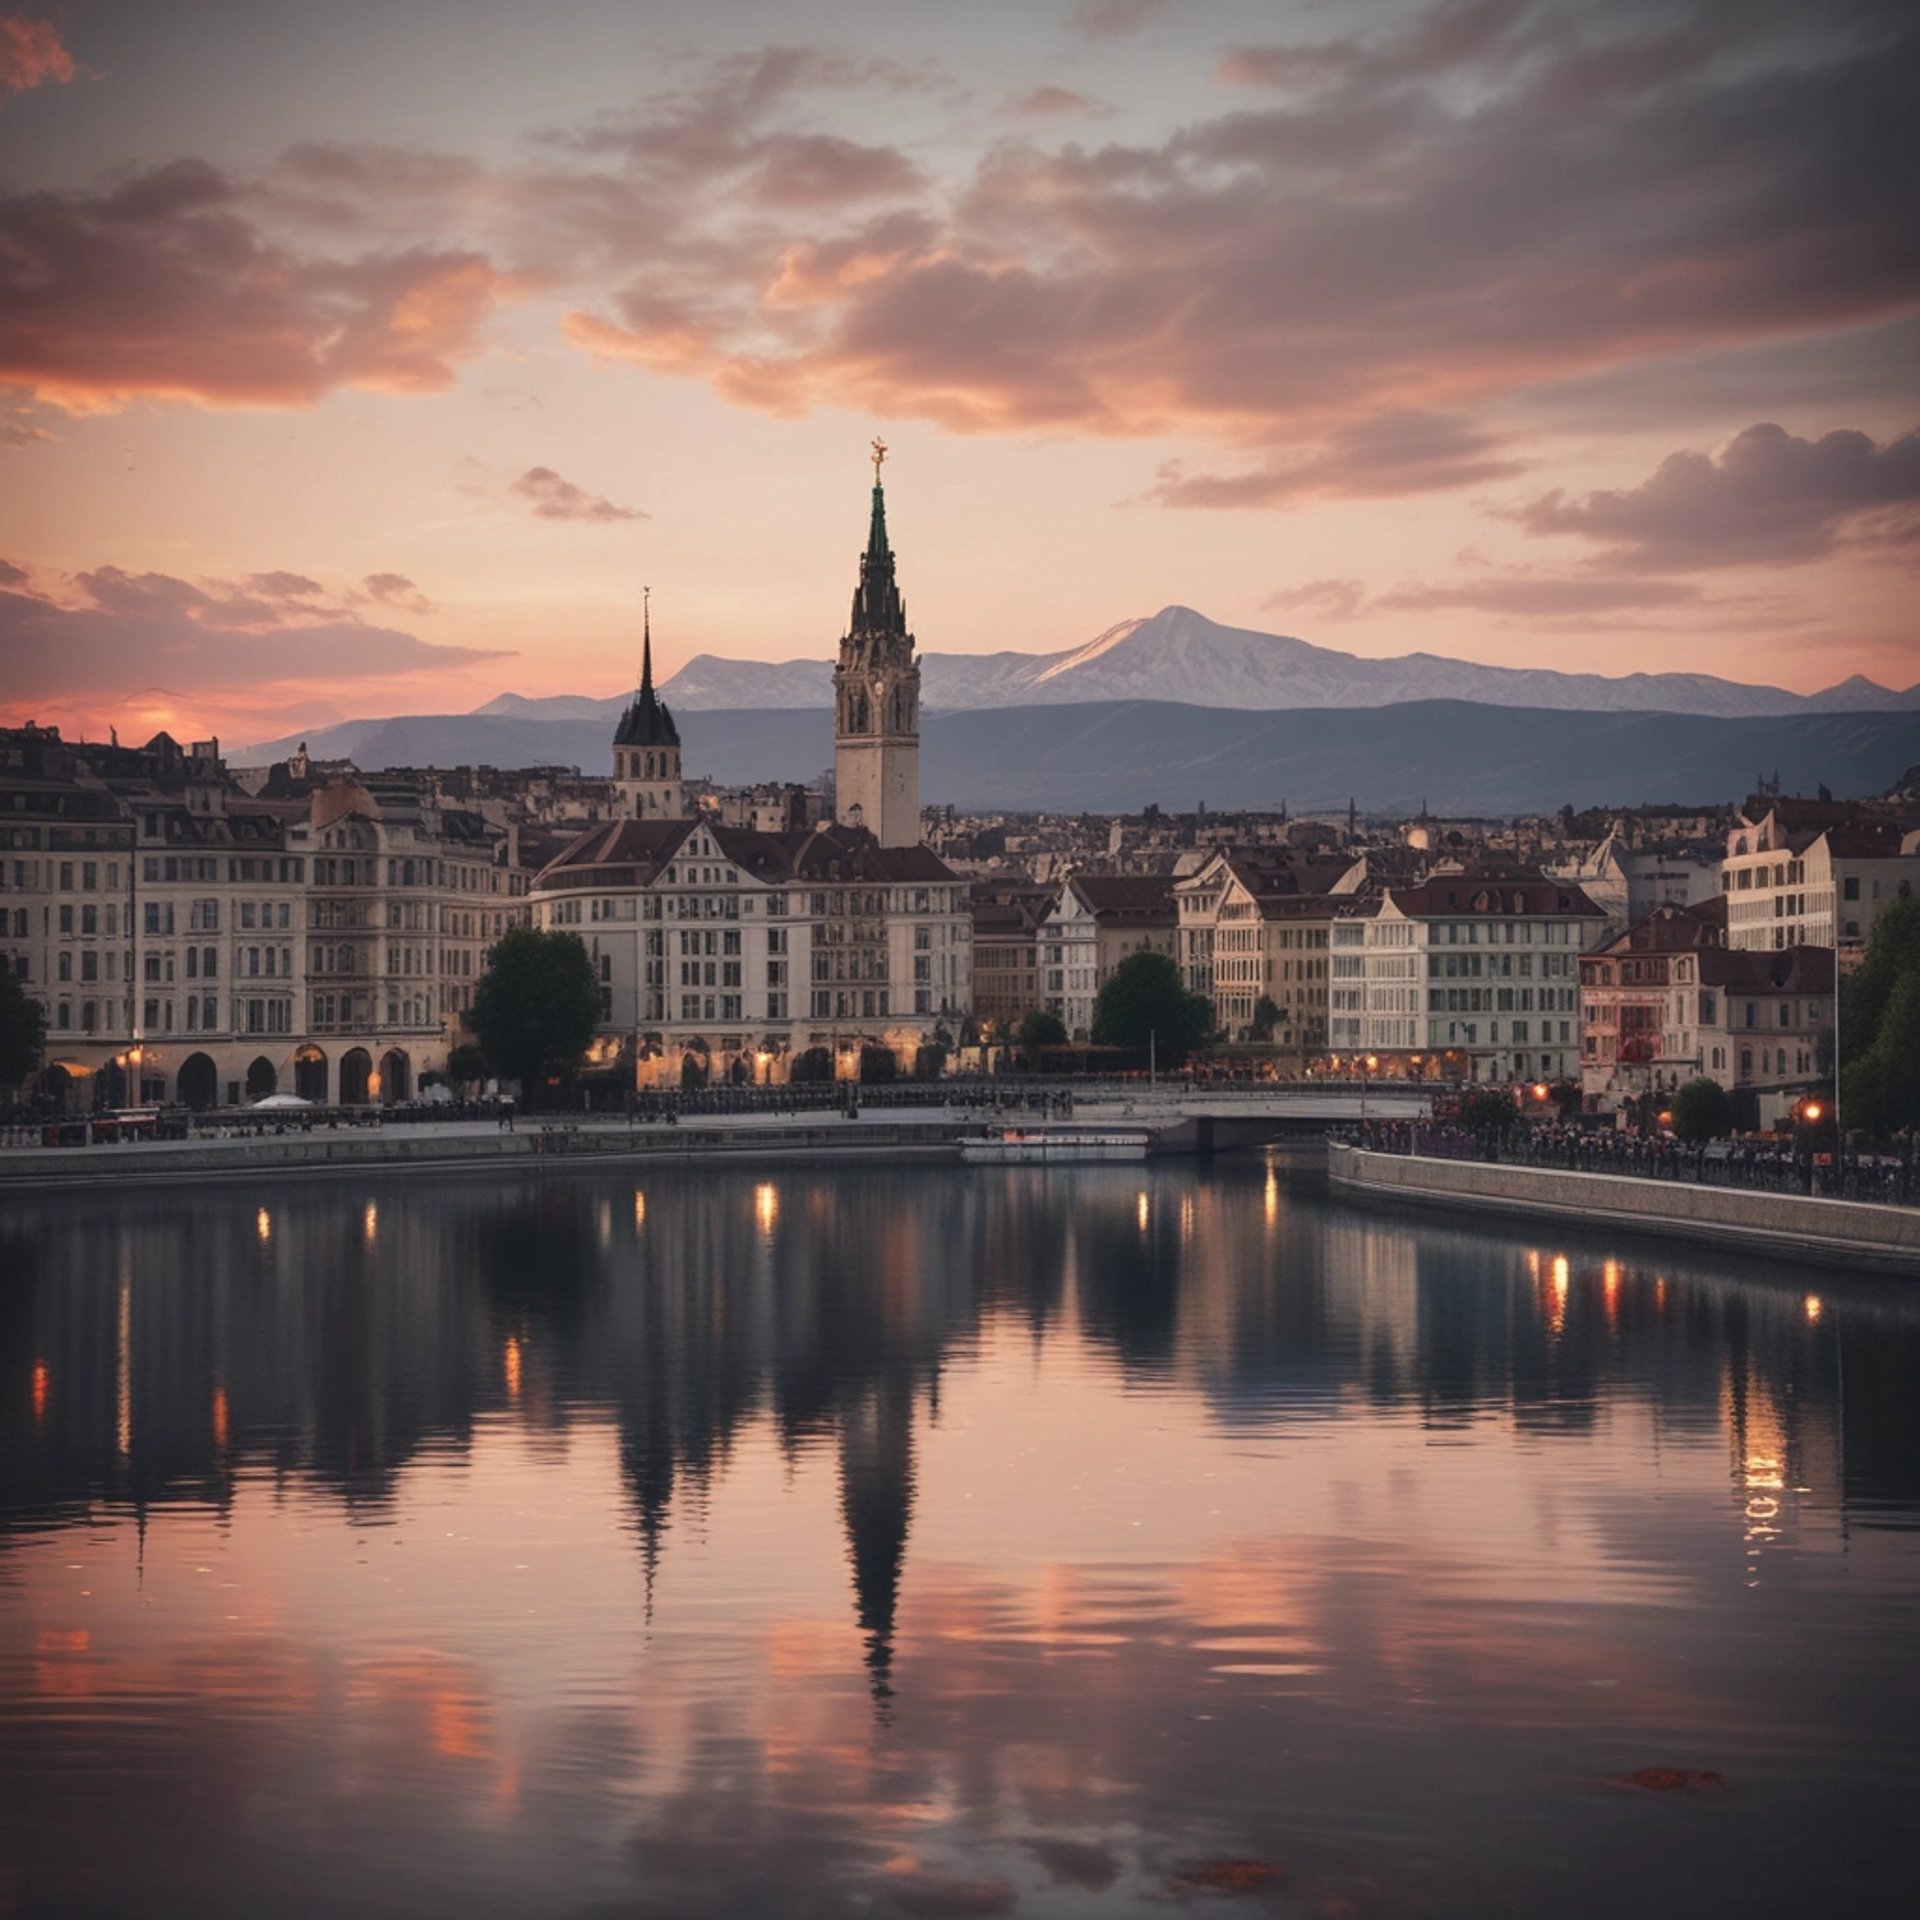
x: 367, y: 358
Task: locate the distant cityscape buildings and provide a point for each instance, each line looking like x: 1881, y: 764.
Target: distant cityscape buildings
x: 211, y: 936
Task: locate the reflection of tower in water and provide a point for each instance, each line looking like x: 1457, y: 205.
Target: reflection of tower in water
x: 876, y: 1504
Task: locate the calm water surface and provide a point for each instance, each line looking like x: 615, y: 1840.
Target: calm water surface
x: 940, y: 1542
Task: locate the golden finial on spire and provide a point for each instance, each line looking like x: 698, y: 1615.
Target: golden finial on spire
x: 879, y: 454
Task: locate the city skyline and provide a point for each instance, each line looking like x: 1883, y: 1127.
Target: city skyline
x: 340, y: 377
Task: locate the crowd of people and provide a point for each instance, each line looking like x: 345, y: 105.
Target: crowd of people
x: 1763, y: 1162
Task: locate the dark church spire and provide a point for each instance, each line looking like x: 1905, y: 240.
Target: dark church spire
x: 646, y: 643
x: 877, y: 606
x: 647, y: 722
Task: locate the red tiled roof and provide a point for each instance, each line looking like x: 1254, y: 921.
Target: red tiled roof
x: 1775, y: 970
x: 1522, y: 891
x: 1134, y: 899
x: 1672, y: 929
x: 632, y: 853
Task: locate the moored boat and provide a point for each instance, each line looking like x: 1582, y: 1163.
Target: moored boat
x: 1045, y: 1145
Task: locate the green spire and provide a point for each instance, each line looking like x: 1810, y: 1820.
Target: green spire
x: 877, y: 606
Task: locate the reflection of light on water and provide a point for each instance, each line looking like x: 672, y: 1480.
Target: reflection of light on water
x: 1141, y: 1213
x: 1815, y: 1307
x: 40, y: 1381
x: 1533, y: 1263
x: 123, y: 1370
x: 766, y: 1205
x: 1757, y: 1429
x: 1659, y: 1293
x: 1186, y: 1216
x: 604, y: 1218
x: 220, y: 1417
x: 510, y: 1361
x: 639, y: 1208
x: 1562, y: 1282
x: 1273, y: 1196
x: 1610, y: 1286
x: 263, y: 1225
x: 370, y: 1223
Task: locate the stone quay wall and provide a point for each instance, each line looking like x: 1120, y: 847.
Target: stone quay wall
x: 1835, y: 1232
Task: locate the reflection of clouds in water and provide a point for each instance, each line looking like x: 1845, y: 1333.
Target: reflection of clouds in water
x: 1345, y: 1513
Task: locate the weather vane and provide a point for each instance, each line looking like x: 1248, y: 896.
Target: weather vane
x: 879, y: 454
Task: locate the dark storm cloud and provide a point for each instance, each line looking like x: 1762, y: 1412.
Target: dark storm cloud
x: 553, y: 498
x: 1766, y: 499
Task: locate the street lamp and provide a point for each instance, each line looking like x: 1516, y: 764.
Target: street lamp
x: 1809, y: 1113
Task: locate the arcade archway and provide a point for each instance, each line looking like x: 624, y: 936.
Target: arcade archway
x: 310, y: 1075
x: 396, y: 1077
x: 199, y: 1085
x: 356, y: 1072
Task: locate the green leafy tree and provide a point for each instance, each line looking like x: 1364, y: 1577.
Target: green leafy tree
x: 1040, y: 1029
x: 23, y: 1032
x: 1880, y: 1092
x: 536, y: 1007
x: 466, y: 1064
x: 1266, y: 1016
x: 1702, y: 1110
x: 1880, y: 1026
x: 1143, y: 997
x: 1892, y: 953
x: 1488, y: 1112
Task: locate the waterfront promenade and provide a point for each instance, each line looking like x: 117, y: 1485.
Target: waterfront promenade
x: 1816, y: 1229
x: 818, y: 1123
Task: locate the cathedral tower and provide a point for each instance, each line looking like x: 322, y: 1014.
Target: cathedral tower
x: 646, y: 745
x: 876, y: 698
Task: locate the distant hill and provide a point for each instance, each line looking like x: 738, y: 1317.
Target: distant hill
x: 1111, y: 756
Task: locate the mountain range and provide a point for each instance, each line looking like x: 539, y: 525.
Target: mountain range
x: 1178, y: 709
x: 1456, y: 756
x: 1181, y: 655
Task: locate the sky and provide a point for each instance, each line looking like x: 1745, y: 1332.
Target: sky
x: 369, y: 358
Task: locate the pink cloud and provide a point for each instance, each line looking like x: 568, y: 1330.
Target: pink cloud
x: 1378, y: 455
x: 159, y: 286
x: 556, y: 499
x: 1432, y: 224
x: 115, y: 631
x: 1767, y: 498
x: 396, y: 590
x: 32, y: 55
